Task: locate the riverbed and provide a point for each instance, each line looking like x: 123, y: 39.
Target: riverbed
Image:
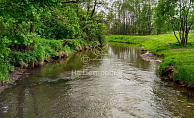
x: 115, y: 83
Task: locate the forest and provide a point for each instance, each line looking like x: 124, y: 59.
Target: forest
x: 32, y: 31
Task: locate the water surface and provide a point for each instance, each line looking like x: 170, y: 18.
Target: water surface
x: 129, y: 88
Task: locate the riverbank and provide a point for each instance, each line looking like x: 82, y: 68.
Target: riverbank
x: 14, y: 76
x: 178, y: 63
x: 43, y: 52
x: 68, y: 85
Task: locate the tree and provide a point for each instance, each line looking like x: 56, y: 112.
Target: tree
x: 179, y: 13
x: 133, y: 16
x: 22, y: 16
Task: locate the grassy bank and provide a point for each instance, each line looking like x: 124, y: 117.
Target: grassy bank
x: 179, y: 57
x: 41, y: 51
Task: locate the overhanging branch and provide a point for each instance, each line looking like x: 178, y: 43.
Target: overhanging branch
x: 76, y: 1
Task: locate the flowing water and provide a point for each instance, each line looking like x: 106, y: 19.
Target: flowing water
x: 116, y: 85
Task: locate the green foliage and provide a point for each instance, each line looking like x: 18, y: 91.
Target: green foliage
x: 60, y: 23
x: 185, y: 73
x: 43, y: 49
x: 131, y: 17
x: 160, y: 23
x: 77, y: 44
x: 17, y: 57
x: 36, y: 30
x: 178, y: 14
x: 5, y: 66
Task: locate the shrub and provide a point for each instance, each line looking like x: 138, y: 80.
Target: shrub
x: 5, y: 66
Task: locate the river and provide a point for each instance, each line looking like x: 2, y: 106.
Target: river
x: 117, y: 84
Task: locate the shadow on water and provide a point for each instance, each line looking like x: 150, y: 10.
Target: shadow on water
x: 21, y: 99
x: 134, y: 91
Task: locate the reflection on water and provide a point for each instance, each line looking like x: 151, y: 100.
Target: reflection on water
x: 135, y: 91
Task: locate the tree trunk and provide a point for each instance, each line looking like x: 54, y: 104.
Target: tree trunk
x: 32, y: 29
x: 78, y: 10
x: 94, y: 9
x: 19, y: 46
x: 88, y: 7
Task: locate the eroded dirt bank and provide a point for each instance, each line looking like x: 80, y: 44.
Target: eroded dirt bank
x: 148, y: 56
x: 168, y: 73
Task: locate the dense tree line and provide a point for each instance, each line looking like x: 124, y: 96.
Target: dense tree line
x: 132, y: 17
x: 146, y: 17
x: 21, y: 20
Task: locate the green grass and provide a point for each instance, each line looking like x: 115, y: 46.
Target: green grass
x: 41, y: 49
x: 181, y: 57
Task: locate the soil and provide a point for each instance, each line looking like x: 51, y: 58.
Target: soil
x: 13, y: 76
x: 150, y: 57
x: 168, y: 72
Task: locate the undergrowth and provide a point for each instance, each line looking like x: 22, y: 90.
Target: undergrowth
x: 40, y: 49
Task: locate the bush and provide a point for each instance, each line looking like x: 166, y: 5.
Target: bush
x: 5, y: 66
x: 62, y: 22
